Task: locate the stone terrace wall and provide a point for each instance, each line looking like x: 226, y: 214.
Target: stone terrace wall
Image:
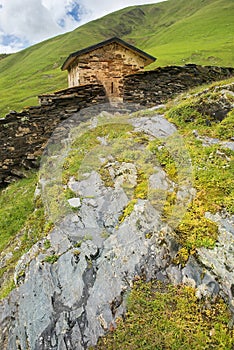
x: 157, y: 86
x: 24, y: 135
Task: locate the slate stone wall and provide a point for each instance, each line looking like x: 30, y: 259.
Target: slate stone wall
x: 24, y: 135
x: 157, y: 86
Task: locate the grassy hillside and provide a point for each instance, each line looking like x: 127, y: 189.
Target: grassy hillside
x: 175, y: 31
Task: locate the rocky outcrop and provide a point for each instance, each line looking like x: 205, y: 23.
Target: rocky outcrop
x: 72, y: 292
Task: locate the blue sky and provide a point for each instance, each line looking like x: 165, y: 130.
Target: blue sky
x: 26, y: 22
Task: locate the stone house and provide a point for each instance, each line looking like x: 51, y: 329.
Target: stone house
x: 106, y: 63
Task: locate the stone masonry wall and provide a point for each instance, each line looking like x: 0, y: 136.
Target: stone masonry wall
x: 157, y: 86
x: 24, y: 135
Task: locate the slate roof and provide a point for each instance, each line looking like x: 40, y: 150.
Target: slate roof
x: 72, y: 56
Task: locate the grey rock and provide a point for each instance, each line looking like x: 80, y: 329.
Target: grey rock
x: 209, y: 141
x: 157, y: 107
x: 174, y: 274
x: 74, y: 202
x: 191, y: 273
x: 208, y: 287
x: 220, y: 260
x: 59, y: 241
x: 160, y: 181
x: 90, y: 187
x: 229, y: 145
x: 156, y: 126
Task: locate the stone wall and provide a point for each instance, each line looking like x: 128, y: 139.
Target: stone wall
x: 24, y: 135
x: 157, y: 86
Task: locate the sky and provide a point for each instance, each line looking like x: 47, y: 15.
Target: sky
x: 26, y: 22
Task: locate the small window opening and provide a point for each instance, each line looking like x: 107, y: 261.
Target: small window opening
x: 112, y: 87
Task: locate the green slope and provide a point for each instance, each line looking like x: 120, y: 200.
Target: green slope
x: 175, y: 31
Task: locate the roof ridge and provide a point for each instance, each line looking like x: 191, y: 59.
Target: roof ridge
x: 69, y: 59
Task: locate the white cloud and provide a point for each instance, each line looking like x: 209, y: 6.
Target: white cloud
x: 100, y: 8
x: 23, y: 23
x: 27, y: 19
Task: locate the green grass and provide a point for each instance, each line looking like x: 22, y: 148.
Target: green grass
x: 51, y: 259
x: 16, y: 204
x: 22, y: 224
x: 175, y: 31
x: 163, y: 317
